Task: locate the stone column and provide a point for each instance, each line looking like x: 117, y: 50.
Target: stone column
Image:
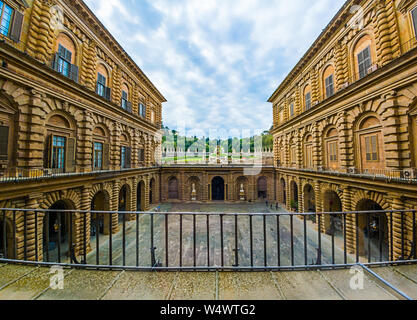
x: 351, y: 244
x: 85, y: 206
x: 34, y: 229
x: 399, y: 231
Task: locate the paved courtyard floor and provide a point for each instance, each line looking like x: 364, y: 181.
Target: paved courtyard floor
x: 33, y: 283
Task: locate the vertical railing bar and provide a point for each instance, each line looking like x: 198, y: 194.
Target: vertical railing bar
x: 85, y: 237
x: 47, y: 235
x: 236, y: 242
x: 222, y: 241
x: 345, y: 238
x: 153, y: 252
x: 110, y: 239
x: 194, y: 241
x: 357, y: 236
x: 292, y: 239
x: 402, y: 237
x: 137, y: 239
x: 333, y: 242
x: 36, y: 237
x: 368, y: 228
x: 251, y: 239
x: 208, y: 241
x: 59, y: 216
x: 305, y: 241
x: 98, y: 238
x: 25, y: 239
x: 381, y: 240
x: 166, y: 242
x: 278, y: 241
x: 5, y: 235
x: 319, y: 234
x: 71, y: 247
x: 265, y: 244
x: 414, y: 235
x: 180, y: 241
x: 391, y: 237
x: 124, y: 239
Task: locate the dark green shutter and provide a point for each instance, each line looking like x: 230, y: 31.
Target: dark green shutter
x: 74, y: 73
x: 414, y: 16
x: 128, y: 158
x: 16, y: 29
x: 4, y: 142
x: 55, y: 62
x: 70, y: 156
x: 108, y: 93
x: 106, y: 156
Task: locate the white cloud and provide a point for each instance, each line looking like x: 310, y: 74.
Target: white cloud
x: 216, y: 61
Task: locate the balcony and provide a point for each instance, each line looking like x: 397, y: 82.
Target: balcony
x: 405, y: 175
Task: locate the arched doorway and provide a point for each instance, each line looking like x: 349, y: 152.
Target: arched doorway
x: 173, y: 193
x: 373, y: 231
x: 7, y: 247
x: 262, y: 188
x: 309, y: 198
x: 333, y: 224
x: 57, y: 231
x: 100, y: 222
x: 283, y: 191
x: 152, y: 192
x: 124, y: 201
x: 140, y: 199
x: 294, y: 195
x: 217, y: 189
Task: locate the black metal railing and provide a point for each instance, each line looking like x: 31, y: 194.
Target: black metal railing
x: 207, y: 241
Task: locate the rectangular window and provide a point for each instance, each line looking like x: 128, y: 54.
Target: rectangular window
x: 58, y: 152
x: 124, y: 100
x: 309, y: 156
x: 101, y: 85
x: 142, y: 110
x: 141, y: 155
x: 98, y: 155
x: 364, y: 62
x: 293, y: 155
x: 329, y: 86
x: 371, y: 144
x: 64, y: 61
x: 414, y: 18
x: 125, y: 157
x: 333, y: 151
x: 308, y: 101
x: 4, y: 143
x: 292, y: 110
x: 6, y: 18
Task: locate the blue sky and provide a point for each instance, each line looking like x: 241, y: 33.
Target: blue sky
x: 216, y: 61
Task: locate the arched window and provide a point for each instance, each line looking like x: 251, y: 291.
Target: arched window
x: 307, y: 97
x: 308, y: 152
x: 60, y: 144
x: 369, y: 135
x: 102, y: 88
x: 125, y: 152
x: 331, y: 144
x: 126, y: 104
x: 101, y: 149
x: 364, y: 57
x: 65, y: 57
x: 328, y: 82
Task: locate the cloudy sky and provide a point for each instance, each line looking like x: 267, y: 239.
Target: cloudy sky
x: 216, y: 61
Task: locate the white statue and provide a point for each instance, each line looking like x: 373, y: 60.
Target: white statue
x: 242, y: 192
x: 193, y: 192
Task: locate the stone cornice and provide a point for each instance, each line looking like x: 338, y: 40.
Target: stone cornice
x: 94, y: 24
x: 326, y: 34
